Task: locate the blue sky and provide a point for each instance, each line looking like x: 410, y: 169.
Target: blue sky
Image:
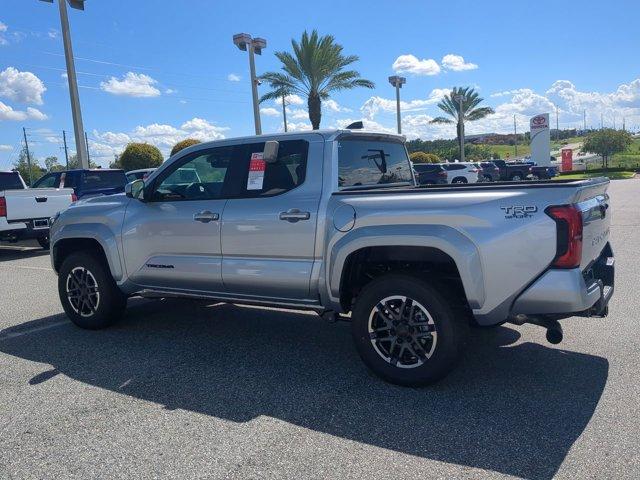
x: 159, y: 71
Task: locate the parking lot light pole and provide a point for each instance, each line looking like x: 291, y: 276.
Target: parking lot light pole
x: 459, y: 99
x: 254, y: 45
x: 398, y: 82
x: 78, y: 128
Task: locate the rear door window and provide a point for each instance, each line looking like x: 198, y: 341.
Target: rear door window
x: 363, y: 162
x: 10, y: 181
x: 51, y: 180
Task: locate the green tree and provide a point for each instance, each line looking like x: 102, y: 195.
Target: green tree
x: 314, y: 70
x: 607, y: 142
x: 467, y: 100
x: 21, y: 165
x: 422, y: 157
x: 183, y: 144
x: 140, y: 155
x: 74, y: 163
x: 52, y: 165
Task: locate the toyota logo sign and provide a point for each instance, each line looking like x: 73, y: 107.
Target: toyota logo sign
x: 538, y: 121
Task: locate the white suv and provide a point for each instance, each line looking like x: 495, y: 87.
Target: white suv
x: 461, y: 172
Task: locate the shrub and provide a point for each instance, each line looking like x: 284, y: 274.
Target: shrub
x: 183, y: 144
x: 421, y: 157
x: 140, y: 155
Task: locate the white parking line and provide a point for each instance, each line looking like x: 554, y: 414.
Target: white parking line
x: 26, y: 267
x: 20, y: 333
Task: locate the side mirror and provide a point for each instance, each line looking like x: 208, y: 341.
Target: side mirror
x: 270, y: 153
x: 135, y: 189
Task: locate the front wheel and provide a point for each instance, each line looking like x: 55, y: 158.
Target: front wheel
x: 516, y: 177
x: 44, y: 242
x: 89, y: 295
x: 459, y: 180
x: 405, y: 331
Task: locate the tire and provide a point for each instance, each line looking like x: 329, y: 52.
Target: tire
x: 422, y: 353
x: 516, y: 177
x: 44, y: 242
x: 459, y: 180
x: 487, y: 178
x: 104, y: 303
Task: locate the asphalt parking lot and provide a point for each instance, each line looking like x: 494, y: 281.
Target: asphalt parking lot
x: 223, y: 391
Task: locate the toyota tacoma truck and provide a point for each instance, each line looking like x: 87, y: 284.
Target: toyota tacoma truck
x: 25, y: 213
x: 333, y: 221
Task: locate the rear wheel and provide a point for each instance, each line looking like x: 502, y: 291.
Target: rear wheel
x: 89, y: 295
x: 404, y: 330
x: 459, y: 180
x: 487, y: 178
x: 516, y: 177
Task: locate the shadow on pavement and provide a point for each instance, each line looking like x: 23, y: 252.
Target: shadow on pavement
x: 511, y: 409
x: 16, y: 252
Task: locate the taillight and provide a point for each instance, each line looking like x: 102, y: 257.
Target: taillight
x: 3, y: 207
x: 569, y: 236
x: 74, y: 198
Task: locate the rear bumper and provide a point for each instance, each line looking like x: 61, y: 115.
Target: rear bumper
x: 23, y: 230
x: 566, y: 293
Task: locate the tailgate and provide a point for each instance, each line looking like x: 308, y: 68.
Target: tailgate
x: 36, y: 203
x: 596, y: 220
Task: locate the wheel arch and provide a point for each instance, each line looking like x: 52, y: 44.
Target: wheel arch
x: 438, y: 247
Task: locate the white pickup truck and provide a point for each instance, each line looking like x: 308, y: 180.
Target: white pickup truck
x: 25, y: 213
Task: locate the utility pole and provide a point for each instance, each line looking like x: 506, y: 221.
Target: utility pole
x: 515, y: 134
x: 459, y: 99
x: 78, y: 128
x: 624, y: 124
x: 584, y: 119
x: 26, y: 147
x: 86, y: 142
x: 557, y: 125
x: 66, y: 153
x: 614, y: 121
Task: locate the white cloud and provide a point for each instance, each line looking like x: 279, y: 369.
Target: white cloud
x: 23, y: 87
x: 298, y: 114
x: 298, y: 127
x: 374, y: 105
x: 8, y: 113
x: 104, y: 145
x: 368, y: 125
x: 270, y: 111
x: 53, y: 33
x: 5, y: 148
x: 131, y: 85
x: 169, y: 91
x: 333, y: 106
x: 232, y: 77
x: 508, y: 92
x: 294, y: 99
x: 3, y: 28
x: 457, y: 63
x: 411, y: 64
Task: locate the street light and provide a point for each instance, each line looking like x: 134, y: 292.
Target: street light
x: 398, y: 82
x: 254, y: 45
x: 459, y: 99
x: 78, y: 128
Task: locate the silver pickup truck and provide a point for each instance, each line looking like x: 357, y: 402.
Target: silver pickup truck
x: 332, y: 221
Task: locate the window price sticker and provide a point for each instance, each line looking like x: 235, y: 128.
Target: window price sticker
x: 257, y: 166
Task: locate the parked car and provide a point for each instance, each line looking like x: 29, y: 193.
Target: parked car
x: 512, y: 171
x: 430, y: 173
x: 25, y: 213
x: 331, y: 221
x: 461, y: 172
x: 86, y: 183
x: 140, y: 174
x: 490, y: 172
x: 541, y: 173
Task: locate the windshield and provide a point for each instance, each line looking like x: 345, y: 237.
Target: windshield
x: 364, y: 162
x: 10, y: 181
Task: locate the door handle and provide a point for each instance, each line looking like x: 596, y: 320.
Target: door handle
x: 294, y: 215
x: 205, y: 216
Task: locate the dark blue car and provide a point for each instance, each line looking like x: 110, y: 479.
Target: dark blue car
x: 86, y: 183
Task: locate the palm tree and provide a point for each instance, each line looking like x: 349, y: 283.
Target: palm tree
x: 281, y: 92
x: 314, y: 70
x: 463, y: 99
